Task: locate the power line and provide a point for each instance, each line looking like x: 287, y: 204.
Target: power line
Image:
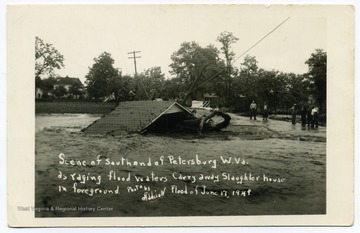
x: 212, y: 77
x: 262, y: 39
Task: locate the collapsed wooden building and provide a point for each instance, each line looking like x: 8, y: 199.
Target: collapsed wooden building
x: 140, y: 117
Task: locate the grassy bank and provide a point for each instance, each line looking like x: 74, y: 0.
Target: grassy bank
x: 73, y: 107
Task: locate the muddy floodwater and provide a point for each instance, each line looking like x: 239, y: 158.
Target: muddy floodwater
x: 250, y: 168
x: 71, y: 122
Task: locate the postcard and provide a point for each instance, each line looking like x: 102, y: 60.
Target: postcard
x: 180, y: 115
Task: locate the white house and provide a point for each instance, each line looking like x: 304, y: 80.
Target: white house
x: 39, y: 93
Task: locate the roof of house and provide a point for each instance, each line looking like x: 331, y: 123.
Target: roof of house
x: 133, y: 116
x: 68, y: 81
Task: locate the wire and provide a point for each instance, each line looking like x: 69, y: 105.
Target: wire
x: 212, y: 77
x: 262, y: 39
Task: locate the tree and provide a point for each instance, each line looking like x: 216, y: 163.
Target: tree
x: 59, y: 91
x: 297, y: 87
x: 120, y: 87
x: 38, y: 82
x: 317, y: 76
x: 138, y: 87
x: 149, y: 84
x: 194, y: 66
x: 75, y: 90
x: 248, y: 77
x: 249, y: 66
x: 185, y: 64
x: 279, y: 90
x: 173, y: 89
x: 48, y: 83
x: 154, y: 81
x: 226, y: 39
x: 47, y: 59
x: 271, y: 88
x: 99, y: 76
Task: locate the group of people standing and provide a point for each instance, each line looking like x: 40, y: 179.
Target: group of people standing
x: 253, y: 111
x: 309, y: 116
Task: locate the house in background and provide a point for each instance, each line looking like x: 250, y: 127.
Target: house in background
x: 39, y: 93
x: 73, y: 86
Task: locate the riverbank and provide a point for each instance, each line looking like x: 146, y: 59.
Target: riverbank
x: 73, y: 107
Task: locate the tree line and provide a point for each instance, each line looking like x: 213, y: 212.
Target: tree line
x: 196, y: 71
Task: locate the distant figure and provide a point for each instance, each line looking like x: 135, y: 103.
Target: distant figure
x: 293, y: 114
x: 315, y: 117
x: 253, y: 108
x: 265, y: 112
x: 309, y: 117
x: 303, y: 115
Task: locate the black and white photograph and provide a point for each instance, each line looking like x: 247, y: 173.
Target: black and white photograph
x: 179, y: 111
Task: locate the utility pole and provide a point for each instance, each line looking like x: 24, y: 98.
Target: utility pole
x: 134, y: 57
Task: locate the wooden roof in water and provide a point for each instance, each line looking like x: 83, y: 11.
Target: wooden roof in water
x: 133, y: 116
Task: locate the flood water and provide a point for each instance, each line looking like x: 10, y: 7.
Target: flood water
x: 273, y: 149
x: 72, y: 122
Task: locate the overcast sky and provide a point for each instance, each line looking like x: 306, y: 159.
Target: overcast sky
x: 82, y: 33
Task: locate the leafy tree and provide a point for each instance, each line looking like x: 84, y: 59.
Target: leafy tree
x: 59, y: 91
x: 120, y: 86
x: 47, y: 59
x: 226, y: 39
x: 173, y: 89
x: 249, y: 66
x: 271, y: 88
x: 194, y: 66
x: 99, y: 76
x: 186, y: 64
x: 279, y: 90
x: 317, y: 76
x: 248, y: 78
x: 149, y: 84
x: 38, y: 82
x: 75, y: 90
x: 48, y: 83
x: 154, y: 81
x: 297, y: 87
x: 138, y: 87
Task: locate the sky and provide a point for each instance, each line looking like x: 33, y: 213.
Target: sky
x: 83, y: 33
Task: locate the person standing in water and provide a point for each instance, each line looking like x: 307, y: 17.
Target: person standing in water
x: 265, y: 112
x: 303, y: 115
x: 293, y: 114
x: 253, y: 108
x: 315, y: 117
